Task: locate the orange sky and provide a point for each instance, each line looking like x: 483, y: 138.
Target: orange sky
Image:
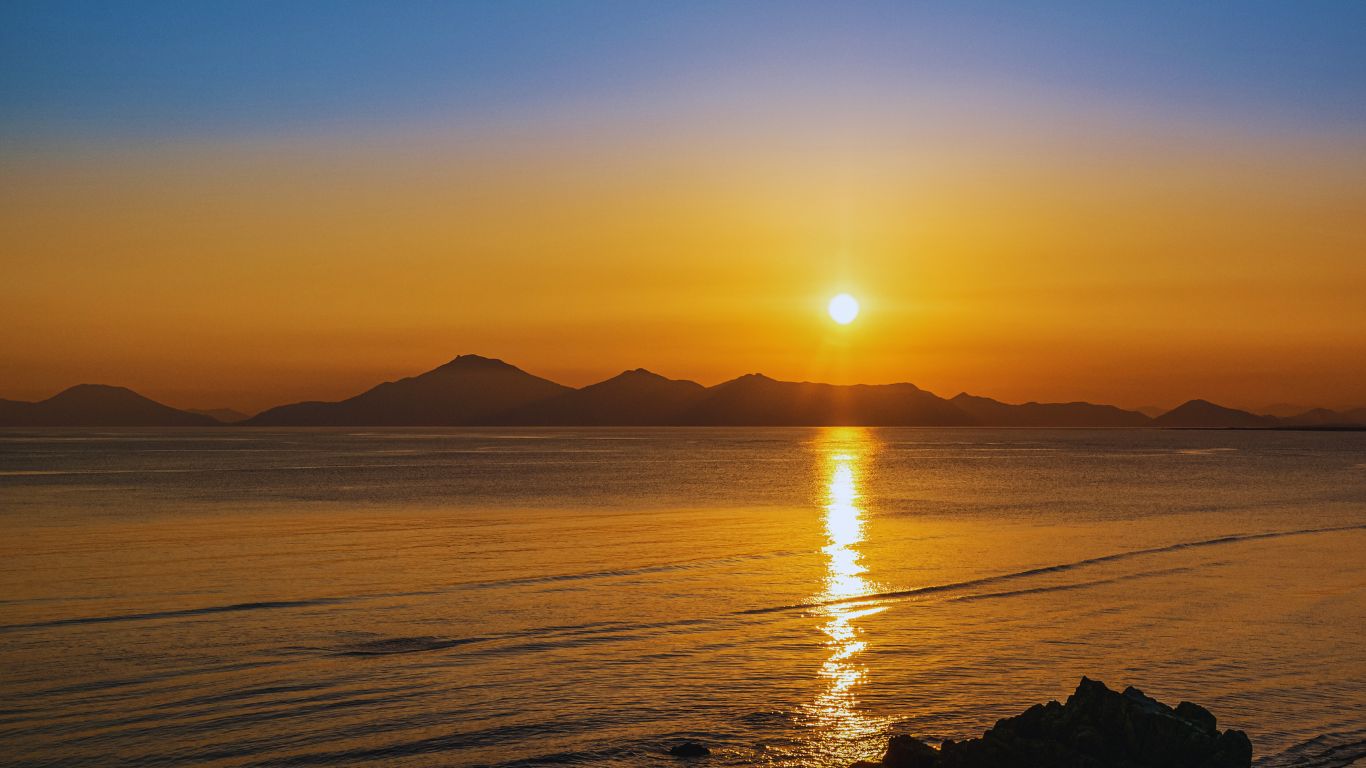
x: 1023, y: 252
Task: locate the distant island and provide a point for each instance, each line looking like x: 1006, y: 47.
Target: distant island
x: 479, y: 391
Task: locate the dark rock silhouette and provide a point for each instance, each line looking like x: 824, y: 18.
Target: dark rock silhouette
x: 97, y: 405
x: 631, y: 398
x: 1096, y: 728
x: 690, y: 749
x: 757, y: 400
x: 1202, y: 414
x: 993, y: 413
x: 469, y: 390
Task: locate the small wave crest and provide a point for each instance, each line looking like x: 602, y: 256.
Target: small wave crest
x: 1330, y: 750
x: 1058, y: 568
x: 395, y: 645
x: 205, y: 610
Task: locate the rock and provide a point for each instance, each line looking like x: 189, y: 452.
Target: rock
x: 909, y: 752
x: 1198, y: 715
x: 690, y: 749
x: 1096, y: 728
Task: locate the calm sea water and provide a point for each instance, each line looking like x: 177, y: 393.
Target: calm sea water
x: 593, y: 597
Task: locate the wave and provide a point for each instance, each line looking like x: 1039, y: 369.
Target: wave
x: 536, y: 638
x: 543, y: 638
x: 337, y: 600
x: 1075, y: 585
x: 684, y: 565
x: 1329, y: 750
x: 1058, y: 568
x: 396, y: 645
x: 205, y: 610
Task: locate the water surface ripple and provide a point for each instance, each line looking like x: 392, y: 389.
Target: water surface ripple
x: 243, y: 597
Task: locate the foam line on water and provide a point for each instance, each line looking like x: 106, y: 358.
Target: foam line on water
x: 311, y: 602
x: 618, y: 572
x: 1329, y: 750
x: 202, y: 611
x: 1074, y: 585
x: 552, y: 637
x: 1058, y: 568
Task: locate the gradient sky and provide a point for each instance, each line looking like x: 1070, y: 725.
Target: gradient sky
x: 246, y: 203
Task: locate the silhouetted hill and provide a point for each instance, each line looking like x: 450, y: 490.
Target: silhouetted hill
x: 1202, y: 414
x: 993, y: 413
x: 1313, y: 417
x: 479, y: 391
x: 97, y: 405
x: 468, y: 390
x: 13, y: 412
x: 1323, y: 417
x: 1282, y: 410
x: 631, y: 398
x: 755, y: 399
x: 224, y: 415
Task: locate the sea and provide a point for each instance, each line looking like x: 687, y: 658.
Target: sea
x: 595, y: 597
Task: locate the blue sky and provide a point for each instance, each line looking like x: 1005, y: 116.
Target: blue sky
x: 170, y: 69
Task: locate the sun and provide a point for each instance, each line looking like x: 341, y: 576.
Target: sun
x: 843, y: 309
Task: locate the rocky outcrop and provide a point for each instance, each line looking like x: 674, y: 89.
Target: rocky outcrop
x: 1096, y: 728
x: 690, y: 749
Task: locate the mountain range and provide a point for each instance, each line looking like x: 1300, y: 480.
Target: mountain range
x: 96, y: 405
x: 479, y: 391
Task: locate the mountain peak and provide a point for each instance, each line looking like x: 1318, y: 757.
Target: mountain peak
x: 99, y: 405
x: 476, y: 362
x: 1202, y: 414
x: 1200, y: 405
x: 639, y: 373
x: 95, y: 388
x: 634, y: 397
x: 964, y: 397
x: 101, y: 391
x: 469, y: 390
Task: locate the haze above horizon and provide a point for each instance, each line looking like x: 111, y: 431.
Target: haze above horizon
x: 249, y: 204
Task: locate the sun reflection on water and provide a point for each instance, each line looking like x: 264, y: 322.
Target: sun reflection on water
x: 843, y: 451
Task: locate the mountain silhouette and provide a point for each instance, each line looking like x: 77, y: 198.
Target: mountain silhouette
x: 480, y: 391
x: 1324, y: 417
x: 1283, y: 410
x: 993, y: 413
x: 224, y: 415
x: 1202, y: 414
x: 469, y: 390
x: 97, y: 405
x: 631, y: 398
x: 757, y: 400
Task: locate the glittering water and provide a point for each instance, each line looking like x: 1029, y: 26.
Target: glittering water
x: 592, y: 597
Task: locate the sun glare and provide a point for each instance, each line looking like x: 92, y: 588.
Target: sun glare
x: 843, y: 309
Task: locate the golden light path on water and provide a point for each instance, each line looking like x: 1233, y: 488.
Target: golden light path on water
x: 843, y: 452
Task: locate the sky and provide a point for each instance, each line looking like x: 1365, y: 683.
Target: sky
x: 240, y: 204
